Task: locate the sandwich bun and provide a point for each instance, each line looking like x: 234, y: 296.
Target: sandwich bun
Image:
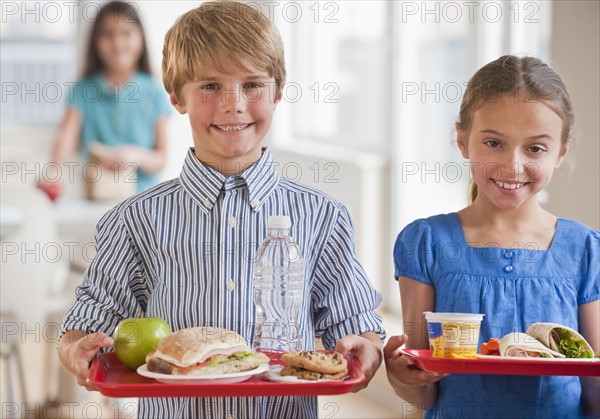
x: 203, y: 351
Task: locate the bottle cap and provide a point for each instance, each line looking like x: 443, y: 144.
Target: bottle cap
x: 279, y: 221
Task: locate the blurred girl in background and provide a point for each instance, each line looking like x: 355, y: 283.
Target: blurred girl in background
x: 116, y: 110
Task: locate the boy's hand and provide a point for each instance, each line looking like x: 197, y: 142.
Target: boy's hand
x: 401, y: 370
x: 77, y: 350
x: 367, y: 348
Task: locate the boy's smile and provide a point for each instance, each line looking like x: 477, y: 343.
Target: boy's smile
x: 230, y: 114
x: 231, y: 129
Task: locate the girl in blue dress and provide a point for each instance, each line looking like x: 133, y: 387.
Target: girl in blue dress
x: 503, y: 255
x: 117, y: 103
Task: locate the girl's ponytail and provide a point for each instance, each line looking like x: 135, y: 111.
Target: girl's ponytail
x: 472, y: 192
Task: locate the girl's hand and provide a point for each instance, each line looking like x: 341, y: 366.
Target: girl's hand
x: 401, y: 370
x: 367, y: 349
x: 123, y: 157
x: 77, y: 350
x: 50, y: 182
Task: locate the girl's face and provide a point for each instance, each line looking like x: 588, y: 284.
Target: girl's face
x: 514, y: 145
x: 119, y: 42
x: 230, y: 114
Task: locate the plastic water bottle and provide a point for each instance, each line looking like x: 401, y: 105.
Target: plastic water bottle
x: 278, y: 289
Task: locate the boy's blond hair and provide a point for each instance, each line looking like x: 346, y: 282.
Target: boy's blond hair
x: 217, y: 36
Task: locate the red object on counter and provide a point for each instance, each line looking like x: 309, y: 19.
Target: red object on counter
x: 113, y: 379
x: 52, y: 190
x: 500, y: 365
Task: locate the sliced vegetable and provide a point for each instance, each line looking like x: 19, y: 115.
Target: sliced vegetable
x: 241, y: 355
x: 572, y: 347
x: 216, y: 360
x: 491, y: 347
x: 544, y: 355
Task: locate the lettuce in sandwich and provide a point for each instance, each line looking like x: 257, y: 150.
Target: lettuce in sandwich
x: 562, y: 339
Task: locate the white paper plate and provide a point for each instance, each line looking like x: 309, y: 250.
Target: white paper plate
x: 236, y: 377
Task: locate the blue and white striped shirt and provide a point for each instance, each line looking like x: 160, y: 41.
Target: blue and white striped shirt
x: 183, y: 251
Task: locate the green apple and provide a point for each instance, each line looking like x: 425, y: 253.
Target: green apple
x: 134, y: 338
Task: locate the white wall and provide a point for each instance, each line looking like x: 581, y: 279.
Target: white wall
x: 356, y: 179
x: 575, y: 55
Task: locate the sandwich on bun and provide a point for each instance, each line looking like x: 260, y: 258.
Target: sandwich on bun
x: 203, y: 351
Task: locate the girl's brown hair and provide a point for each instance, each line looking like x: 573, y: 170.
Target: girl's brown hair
x: 508, y: 74
x: 116, y: 10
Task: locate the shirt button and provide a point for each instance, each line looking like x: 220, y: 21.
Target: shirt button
x: 508, y: 269
x: 509, y: 254
x: 229, y: 416
x: 206, y: 202
x: 255, y: 202
x: 231, y: 285
x: 232, y: 222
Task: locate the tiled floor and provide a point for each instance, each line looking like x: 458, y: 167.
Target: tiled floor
x: 354, y: 406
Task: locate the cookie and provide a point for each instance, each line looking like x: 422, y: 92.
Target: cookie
x: 311, y: 375
x: 300, y: 373
x: 337, y: 376
x: 322, y: 362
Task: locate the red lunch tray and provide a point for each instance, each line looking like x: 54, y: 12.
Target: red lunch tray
x: 113, y: 379
x: 504, y: 366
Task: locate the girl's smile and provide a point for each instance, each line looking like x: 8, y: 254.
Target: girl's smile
x: 509, y: 185
x: 509, y: 188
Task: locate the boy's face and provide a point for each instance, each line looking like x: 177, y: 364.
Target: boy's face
x: 230, y: 114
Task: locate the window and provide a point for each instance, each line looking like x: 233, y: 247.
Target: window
x: 38, y: 60
x: 439, y: 45
x: 336, y: 55
x: 395, y: 72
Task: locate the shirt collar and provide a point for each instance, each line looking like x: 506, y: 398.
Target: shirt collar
x: 205, y: 184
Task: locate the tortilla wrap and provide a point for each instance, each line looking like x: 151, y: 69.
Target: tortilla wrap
x: 519, y: 344
x: 562, y: 339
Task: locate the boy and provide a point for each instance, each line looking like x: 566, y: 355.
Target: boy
x: 183, y: 250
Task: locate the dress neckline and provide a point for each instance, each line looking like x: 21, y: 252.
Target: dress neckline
x: 461, y: 234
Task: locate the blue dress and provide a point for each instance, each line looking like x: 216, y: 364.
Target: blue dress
x: 513, y: 288
x: 124, y: 116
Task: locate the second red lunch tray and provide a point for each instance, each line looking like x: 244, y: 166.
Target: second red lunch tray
x: 113, y: 379
x: 503, y: 366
